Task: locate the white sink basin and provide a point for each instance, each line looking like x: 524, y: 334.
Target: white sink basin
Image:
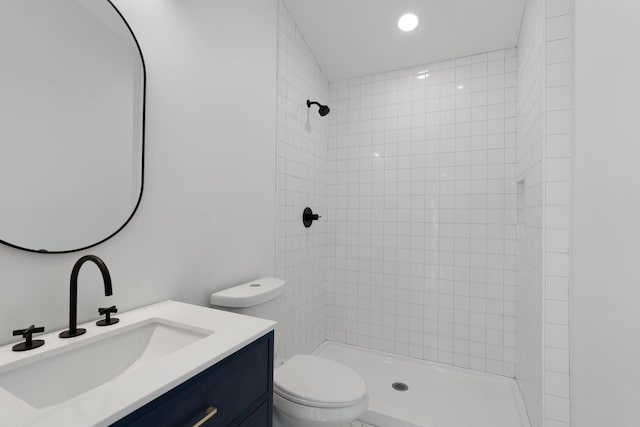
x: 98, y: 378
x: 83, y: 366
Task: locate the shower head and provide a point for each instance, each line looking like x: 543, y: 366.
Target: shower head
x: 323, y: 110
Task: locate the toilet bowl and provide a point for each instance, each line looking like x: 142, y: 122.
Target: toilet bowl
x: 309, y: 391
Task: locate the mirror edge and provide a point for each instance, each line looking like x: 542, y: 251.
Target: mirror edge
x: 142, y: 166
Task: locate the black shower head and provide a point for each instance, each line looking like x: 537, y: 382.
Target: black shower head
x: 322, y: 109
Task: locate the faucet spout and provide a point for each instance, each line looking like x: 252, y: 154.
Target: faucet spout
x: 73, y: 330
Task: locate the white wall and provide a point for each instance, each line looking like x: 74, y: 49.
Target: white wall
x: 605, y: 321
x: 529, y: 293
x: 302, y: 182
x: 544, y: 175
x: 423, y: 211
x: 208, y: 210
x: 558, y: 93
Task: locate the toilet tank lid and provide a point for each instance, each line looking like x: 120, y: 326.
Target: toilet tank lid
x: 249, y: 294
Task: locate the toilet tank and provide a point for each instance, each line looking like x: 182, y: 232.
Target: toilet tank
x: 259, y: 298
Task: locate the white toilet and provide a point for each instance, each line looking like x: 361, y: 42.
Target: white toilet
x: 309, y: 391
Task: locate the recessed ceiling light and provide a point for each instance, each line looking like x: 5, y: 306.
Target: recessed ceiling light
x: 460, y: 87
x: 408, y: 22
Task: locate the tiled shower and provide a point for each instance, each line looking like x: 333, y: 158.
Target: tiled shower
x: 444, y: 195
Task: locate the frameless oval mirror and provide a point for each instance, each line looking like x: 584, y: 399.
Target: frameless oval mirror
x: 72, y: 87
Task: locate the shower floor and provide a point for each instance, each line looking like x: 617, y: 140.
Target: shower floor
x: 438, y: 395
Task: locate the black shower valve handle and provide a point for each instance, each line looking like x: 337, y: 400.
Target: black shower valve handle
x: 308, y: 217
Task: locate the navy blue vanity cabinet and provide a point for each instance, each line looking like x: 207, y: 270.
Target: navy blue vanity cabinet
x: 239, y: 389
x: 260, y: 418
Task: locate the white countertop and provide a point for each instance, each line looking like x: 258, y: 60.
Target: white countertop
x: 131, y: 390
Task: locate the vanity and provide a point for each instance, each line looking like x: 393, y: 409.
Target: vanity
x: 237, y: 391
x: 168, y: 364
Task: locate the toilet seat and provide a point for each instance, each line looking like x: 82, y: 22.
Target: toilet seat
x: 318, y: 382
x: 291, y: 414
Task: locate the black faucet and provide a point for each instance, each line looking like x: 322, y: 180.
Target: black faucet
x: 73, y: 301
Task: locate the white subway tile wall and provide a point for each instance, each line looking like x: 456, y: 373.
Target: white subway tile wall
x: 422, y: 212
x: 530, y: 176
x: 302, y: 181
x: 557, y: 152
x: 544, y: 170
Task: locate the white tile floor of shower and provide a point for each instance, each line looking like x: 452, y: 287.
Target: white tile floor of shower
x: 438, y: 395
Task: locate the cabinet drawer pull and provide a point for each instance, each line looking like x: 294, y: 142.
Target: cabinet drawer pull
x: 211, y: 411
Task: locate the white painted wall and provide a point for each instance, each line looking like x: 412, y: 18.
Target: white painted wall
x: 207, y: 218
x: 605, y: 325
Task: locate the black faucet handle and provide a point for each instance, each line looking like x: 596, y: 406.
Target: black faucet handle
x: 28, y: 331
x: 27, y: 334
x: 107, y: 312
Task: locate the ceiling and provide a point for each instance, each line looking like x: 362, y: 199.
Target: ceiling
x: 352, y: 38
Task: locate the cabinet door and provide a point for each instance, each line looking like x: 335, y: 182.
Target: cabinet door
x: 232, y: 386
x: 260, y: 418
